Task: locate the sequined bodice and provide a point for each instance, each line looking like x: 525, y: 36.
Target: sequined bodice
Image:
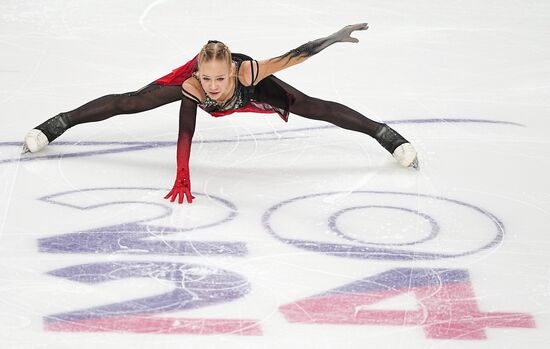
x: 241, y: 96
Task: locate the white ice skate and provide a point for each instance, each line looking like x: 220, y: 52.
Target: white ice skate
x: 406, y: 155
x: 45, y: 133
x: 35, y: 141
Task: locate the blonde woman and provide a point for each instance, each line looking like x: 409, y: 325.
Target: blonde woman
x: 222, y: 83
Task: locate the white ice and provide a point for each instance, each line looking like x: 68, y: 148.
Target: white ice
x: 476, y: 73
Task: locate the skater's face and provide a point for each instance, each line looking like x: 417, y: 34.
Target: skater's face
x: 215, y: 77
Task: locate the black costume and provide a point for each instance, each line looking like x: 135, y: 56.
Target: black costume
x: 271, y: 95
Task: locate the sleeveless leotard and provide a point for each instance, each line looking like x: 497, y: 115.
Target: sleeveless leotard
x: 265, y: 97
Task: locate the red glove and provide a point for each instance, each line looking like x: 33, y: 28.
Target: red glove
x: 182, y: 187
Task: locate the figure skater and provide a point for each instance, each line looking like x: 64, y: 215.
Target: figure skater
x: 222, y: 83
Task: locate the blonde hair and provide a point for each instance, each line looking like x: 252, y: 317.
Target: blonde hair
x: 215, y: 50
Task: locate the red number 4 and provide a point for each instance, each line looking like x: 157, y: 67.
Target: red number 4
x: 447, y: 307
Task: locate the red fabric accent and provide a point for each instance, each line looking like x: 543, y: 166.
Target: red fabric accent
x: 179, y: 75
x: 252, y: 107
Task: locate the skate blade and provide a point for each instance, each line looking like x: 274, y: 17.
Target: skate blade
x: 414, y: 164
x: 25, y: 149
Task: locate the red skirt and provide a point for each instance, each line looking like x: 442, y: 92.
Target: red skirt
x: 179, y: 75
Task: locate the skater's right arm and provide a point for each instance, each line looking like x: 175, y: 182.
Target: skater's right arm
x: 187, y: 120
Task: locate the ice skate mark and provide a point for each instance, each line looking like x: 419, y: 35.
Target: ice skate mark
x: 159, y: 34
x: 406, y: 121
x: 452, y: 121
x: 124, y: 147
x: 147, y: 11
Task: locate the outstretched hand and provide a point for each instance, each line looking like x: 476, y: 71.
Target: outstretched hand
x: 182, y: 188
x: 343, y: 35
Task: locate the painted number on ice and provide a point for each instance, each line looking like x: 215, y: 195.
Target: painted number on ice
x: 446, y: 304
x: 193, y: 286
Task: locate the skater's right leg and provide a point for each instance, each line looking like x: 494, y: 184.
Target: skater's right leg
x: 149, y: 97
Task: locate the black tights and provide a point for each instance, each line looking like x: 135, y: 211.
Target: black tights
x: 335, y: 113
x: 147, y: 98
x: 153, y: 96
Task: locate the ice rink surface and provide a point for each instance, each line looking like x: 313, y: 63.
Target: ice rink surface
x: 302, y: 235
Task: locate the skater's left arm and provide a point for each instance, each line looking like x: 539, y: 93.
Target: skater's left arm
x: 270, y: 66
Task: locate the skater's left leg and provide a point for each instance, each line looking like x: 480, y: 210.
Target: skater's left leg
x: 345, y: 117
